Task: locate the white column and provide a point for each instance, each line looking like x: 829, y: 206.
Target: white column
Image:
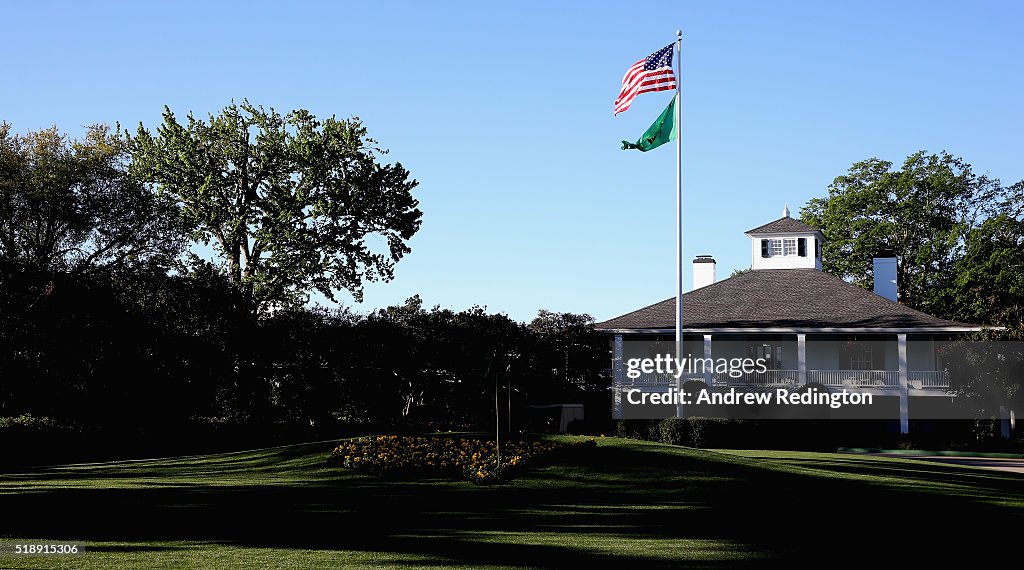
x: 904, y: 385
x: 801, y: 358
x: 618, y: 377
x: 709, y: 377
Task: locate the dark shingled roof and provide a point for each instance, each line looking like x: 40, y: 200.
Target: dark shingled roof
x: 779, y: 298
x: 782, y: 225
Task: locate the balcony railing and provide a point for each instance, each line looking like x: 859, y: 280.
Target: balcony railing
x: 766, y: 378
x: 928, y: 379
x: 855, y: 378
x: 659, y: 379
x: 831, y: 378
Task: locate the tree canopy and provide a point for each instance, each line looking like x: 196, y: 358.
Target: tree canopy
x: 291, y: 203
x: 955, y: 233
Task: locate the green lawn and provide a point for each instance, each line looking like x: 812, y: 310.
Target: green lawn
x: 626, y: 503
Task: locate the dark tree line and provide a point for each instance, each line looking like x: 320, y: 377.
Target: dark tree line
x: 138, y: 348
x: 109, y: 318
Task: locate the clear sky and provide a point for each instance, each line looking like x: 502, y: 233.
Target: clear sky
x: 503, y: 112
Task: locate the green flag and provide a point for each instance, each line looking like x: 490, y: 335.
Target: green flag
x: 662, y: 131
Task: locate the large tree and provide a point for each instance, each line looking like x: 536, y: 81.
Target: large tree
x: 292, y: 204
x: 923, y: 212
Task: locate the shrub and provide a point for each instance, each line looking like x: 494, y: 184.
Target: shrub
x: 675, y: 431
x: 709, y: 432
x: 28, y: 422
x: 696, y: 432
x: 638, y: 429
x: 713, y: 432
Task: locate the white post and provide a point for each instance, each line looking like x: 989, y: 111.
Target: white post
x: 709, y: 377
x: 801, y: 356
x: 679, y: 215
x: 618, y: 377
x: 904, y: 385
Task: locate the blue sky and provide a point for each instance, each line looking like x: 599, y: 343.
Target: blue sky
x: 503, y: 113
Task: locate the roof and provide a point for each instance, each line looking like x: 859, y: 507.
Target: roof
x: 782, y: 225
x: 781, y: 299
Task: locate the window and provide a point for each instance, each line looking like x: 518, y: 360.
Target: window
x: 772, y: 354
x: 858, y: 354
x: 789, y: 246
x: 786, y: 246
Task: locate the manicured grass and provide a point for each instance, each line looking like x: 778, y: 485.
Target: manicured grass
x: 626, y: 503
x: 934, y: 453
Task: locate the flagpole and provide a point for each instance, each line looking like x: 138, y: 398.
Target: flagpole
x: 679, y: 213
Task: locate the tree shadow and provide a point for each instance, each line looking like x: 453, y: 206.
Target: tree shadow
x: 629, y: 496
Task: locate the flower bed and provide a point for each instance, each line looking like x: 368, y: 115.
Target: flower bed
x: 472, y: 459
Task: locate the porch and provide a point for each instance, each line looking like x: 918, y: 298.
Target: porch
x: 883, y: 363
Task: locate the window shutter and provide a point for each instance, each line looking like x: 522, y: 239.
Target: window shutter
x: 801, y: 247
x: 764, y: 248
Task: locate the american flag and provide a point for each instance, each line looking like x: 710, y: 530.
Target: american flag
x: 652, y: 73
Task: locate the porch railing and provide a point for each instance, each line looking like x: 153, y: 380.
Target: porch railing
x: 831, y: 378
x: 856, y: 378
x: 766, y: 378
x: 660, y: 379
x: 928, y: 379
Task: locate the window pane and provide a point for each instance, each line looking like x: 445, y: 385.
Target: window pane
x: 776, y: 246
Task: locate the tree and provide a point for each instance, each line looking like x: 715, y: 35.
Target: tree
x: 922, y: 213
x: 989, y: 278
x: 441, y: 363
x: 306, y: 355
x: 738, y: 272
x: 73, y: 222
x: 71, y: 205
x: 987, y: 368
x: 289, y: 202
x: 569, y: 349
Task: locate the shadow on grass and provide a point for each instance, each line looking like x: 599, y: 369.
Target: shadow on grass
x: 612, y: 505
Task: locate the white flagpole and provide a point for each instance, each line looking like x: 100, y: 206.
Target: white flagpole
x: 679, y: 214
